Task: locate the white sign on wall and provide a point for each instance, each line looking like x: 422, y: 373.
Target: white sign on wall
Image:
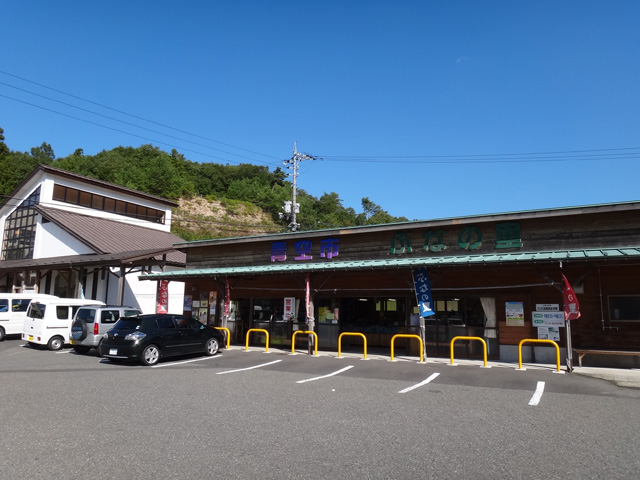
x: 549, y: 333
x: 289, y: 307
x: 547, y: 319
x: 547, y: 307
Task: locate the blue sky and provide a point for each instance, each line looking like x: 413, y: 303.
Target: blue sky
x: 430, y: 109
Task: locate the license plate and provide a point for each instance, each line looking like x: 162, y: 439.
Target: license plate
x: 30, y: 337
x: 113, y: 351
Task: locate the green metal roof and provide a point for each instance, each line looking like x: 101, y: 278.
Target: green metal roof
x: 399, y: 262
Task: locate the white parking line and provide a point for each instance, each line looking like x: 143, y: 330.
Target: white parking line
x: 537, y: 395
x: 326, y: 376
x: 185, y: 361
x: 248, y: 368
x: 408, y: 389
x: 62, y: 351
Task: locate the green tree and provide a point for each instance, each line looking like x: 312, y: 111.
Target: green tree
x: 4, y: 150
x: 43, y: 154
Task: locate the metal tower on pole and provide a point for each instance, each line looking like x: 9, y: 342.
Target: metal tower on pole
x: 292, y: 208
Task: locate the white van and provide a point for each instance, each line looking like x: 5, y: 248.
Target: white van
x: 13, y: 311
x: 49, y: 321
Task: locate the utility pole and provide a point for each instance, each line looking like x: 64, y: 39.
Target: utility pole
x: 292, y: 208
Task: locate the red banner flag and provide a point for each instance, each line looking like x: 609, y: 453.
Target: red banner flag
x: 227, y: 297
x: 163, y: 297
x: 571, y: 304
x: 307, y: 291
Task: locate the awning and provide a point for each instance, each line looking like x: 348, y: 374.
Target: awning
x: 566, y: 256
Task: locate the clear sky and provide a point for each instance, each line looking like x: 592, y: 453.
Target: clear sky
x: 430, y: 109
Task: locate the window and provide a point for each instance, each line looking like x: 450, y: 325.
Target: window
x: 109, y: 204
x: 58, y: 192
x: 85, y: 199
x: 165, y: 322
x: 87, y: 314
x: 100, y: 202
x: 187, y: 322
x: 20, y: 229
x: 71, y: 196
x: 110, y: 316
x: 97, y: 202
x: 624, y: 308
x: 36, y: 310
x: 4, y: 305
x: 62, y: 312
x: 20, y: 304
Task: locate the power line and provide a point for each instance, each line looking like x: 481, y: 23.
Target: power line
x: 532, y: 157
x: 122, y: 121
x: 591, y: 155
x: 136, y: 116
x: 119, y: 131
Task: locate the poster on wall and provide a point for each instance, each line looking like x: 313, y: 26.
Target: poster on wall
x: 202, y: 315
x: 514, y: 313
x: 213, y: 302
x: 549, y: 333
x: 187, y: 303
x: 204, y: 299
x: 289, y: 306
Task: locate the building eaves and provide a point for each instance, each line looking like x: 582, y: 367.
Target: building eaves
x: 173, y: 258
x: 406, y: 262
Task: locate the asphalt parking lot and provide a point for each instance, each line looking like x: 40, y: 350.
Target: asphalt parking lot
x: 273, y: 415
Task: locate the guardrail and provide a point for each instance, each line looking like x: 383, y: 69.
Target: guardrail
x: 535, y: 340
x: 407, y: 335
x: 352, y: 334
x: 470, y: 338
x: 258, y: 330
x: 293, y: 340
x: 227, y: 334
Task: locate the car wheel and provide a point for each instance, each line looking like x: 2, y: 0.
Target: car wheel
x: 2, y: 335
x: 55, y: 343
x: 212, y: 346
x: 79, y: 329
x: 81, y: 349
x: 150, y: 355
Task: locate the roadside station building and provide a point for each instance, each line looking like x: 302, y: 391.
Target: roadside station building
x: 73, y: 236
x: 497, y: 277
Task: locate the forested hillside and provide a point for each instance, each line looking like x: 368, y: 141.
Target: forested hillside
x: 215, y: 200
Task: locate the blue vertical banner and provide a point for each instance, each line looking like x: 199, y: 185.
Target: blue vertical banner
x: 423, y: 292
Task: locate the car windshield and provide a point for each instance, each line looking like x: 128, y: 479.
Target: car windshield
x: 127, y: 323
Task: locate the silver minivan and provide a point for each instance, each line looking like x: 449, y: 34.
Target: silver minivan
x: 90, y: 323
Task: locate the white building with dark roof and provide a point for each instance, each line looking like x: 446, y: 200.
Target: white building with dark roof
x: 74, y: 236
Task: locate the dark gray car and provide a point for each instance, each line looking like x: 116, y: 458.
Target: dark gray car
x: 147, y: 338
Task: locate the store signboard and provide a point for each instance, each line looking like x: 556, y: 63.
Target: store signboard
x: 289, y: 307
x: 547, y: 307
x: 547, y: 319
